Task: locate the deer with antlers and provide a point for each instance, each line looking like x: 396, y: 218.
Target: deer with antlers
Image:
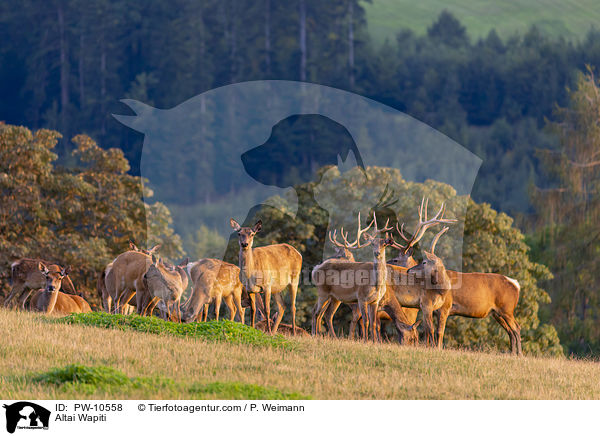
x: 472, y: 295
x: 270, y: 269
x: 403, y: 319
x: 367, y: 280
x: 53, y: 302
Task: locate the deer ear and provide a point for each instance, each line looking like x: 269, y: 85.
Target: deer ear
x: 132, y: 246
x: 257, y: 226
x: 43, y: 268
x: 234, y: 225
x: 154, y: 260
x: 185, y: 262
x: 66, y: 271
x: 409, y: 252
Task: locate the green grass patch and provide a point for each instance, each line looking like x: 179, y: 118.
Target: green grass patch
x: 216, y: 331
x: 81, y: 379
x: 244, y: 391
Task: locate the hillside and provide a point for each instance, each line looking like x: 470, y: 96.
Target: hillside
x: 570, y: 18
x: 129, y: 364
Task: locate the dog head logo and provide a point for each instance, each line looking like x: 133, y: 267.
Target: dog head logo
x: 26, y: 415
x: 234, y: 149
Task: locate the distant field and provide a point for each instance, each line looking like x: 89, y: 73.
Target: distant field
x: 568, y: 18
x: 49, y: 360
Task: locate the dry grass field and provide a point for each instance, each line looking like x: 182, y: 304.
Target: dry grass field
x: 162, y: 366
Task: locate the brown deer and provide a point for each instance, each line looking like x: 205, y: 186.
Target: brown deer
x: 53, y: 302
x: 101, y: 281
x: 341, y: 281
x: 474, y: 295
x: 270, y: 269
x: 214, y: 280
x: 406, y: 316
x: 27, y: 277
x: 368, y: 280
x: 166, y: 283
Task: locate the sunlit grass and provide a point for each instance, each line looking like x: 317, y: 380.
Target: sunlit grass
x: 167, y: 366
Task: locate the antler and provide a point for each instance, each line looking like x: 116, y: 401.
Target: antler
x: 350, y: 245
x: 422, y: 226
x: 436, y: 238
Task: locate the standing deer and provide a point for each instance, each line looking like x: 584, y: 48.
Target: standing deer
x: 214, y: 280
x: 474, y: 295
x: 101, y: 281
x: 166, y: 283
x: 27, y: 277
x: 407, y: 287
x: 53, y: 302
x: 369, y: 279
x: 270, y: 269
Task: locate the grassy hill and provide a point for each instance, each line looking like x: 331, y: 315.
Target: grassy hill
x: 568, y: 18
x: 45, y: 359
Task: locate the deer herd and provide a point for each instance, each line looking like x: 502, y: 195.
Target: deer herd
x: 394, y: 290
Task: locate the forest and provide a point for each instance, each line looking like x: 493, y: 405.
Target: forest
x: 527, y: 105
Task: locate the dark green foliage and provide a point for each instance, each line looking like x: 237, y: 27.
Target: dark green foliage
x: 567, y: 236
x: 217, y: 331
x: 163, y: 53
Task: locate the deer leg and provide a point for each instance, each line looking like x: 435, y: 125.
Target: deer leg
x: 442, y: 317
x: 268, y: 308
x: 372, y: 308
x: 24, y: 298
x: 516, y: 331
x: 252, y: 309
x: 505, y: 326
x: 362, y: 305
x: 428, y: 323
x: 125, y: 298
x: 206, y: 306
x: 355, y: 319
x: 217, y: 306
x: 293, y: 292
x: 280, y: 309
x: 317, y: 314
x: 241, y: 310
x: 230, y: 307
x: 16, y: 290
x: 329, y: 313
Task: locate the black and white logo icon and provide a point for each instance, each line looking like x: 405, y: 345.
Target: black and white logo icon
x: 26, y: 415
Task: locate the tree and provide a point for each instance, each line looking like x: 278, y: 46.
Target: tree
x: 569, y: 240
x: 80, y: 216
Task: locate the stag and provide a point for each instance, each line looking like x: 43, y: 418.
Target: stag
x: 214, y: 280
x: 367, y: 292
x: 53, y: 302
x: 27, y: 277
x: 271, y: 269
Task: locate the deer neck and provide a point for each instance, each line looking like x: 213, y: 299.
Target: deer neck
x: 247, y: 261
x: 380, y: 270
x: 48, y: 301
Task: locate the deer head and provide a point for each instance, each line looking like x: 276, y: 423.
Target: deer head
x: 166, y: 283
x: 432, y: 267
x: 246, y: 234
x: 53, y: 278
x: 404, y: 257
